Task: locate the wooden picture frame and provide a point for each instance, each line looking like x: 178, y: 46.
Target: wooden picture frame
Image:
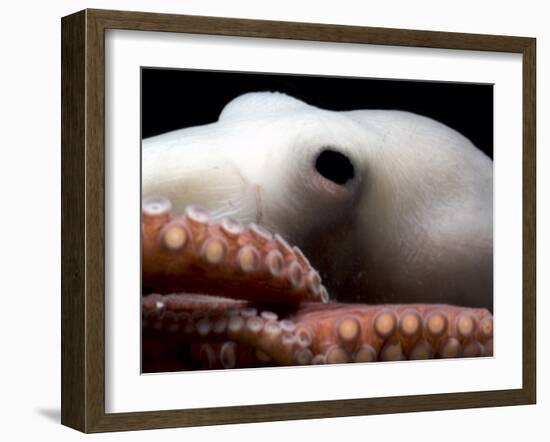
x: 83, y: 220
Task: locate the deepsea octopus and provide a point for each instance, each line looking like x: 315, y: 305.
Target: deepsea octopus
x: 390, y: 219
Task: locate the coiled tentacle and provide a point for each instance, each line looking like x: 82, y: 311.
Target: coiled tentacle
x: 211, y: 283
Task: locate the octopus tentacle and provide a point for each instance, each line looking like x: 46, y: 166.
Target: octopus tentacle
x: 316, y: 333
x: 362, y: 333
x: 212, y: 284
x: 189, y: 253
x: 220, y: 339
x: 273, y: 341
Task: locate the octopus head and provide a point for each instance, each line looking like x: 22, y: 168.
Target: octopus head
x: 383, y: 202
x: 269, y: 159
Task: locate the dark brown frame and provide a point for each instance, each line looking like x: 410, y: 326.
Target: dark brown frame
x: 83, y: 216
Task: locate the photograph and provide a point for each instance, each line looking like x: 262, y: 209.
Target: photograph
x: 269, y: 220
x: 291, y: 220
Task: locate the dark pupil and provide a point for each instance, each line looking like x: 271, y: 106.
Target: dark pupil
x: 334, y: 166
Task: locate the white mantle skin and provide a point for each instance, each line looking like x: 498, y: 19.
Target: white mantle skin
x: 414, y: 222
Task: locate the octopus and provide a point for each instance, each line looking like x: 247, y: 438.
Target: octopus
x: 286, y: 235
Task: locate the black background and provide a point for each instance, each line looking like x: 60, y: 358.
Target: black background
x: 174, y: 99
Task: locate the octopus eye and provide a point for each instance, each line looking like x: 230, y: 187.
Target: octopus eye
x: 335, y: 166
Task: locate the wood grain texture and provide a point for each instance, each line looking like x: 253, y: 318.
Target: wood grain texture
x: 83, y: 219
x: 95, y: 221
x: 145, y: 21
x: 529, y: 221
x: 73, y: 351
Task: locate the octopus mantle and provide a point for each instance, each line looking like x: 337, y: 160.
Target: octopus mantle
x: 219, y: 295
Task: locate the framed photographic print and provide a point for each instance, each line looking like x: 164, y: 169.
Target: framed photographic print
x: 272, y: 220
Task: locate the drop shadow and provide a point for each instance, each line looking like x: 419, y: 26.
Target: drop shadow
x: 52, y: 414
